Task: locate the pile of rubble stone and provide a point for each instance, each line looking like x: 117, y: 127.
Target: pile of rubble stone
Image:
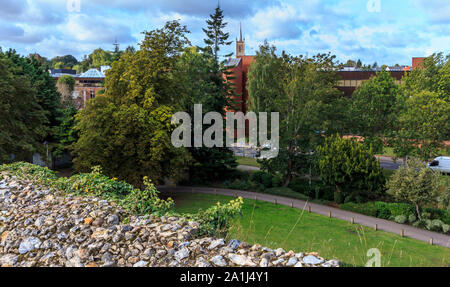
x: 39, y: 227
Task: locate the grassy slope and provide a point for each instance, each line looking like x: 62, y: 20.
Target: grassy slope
x: 280, y: 226
x: 247, y: 161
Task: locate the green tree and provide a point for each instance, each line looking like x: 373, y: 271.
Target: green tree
x: 206, y: 81
x: 64, y: 62
x: 66, y: 86
x: 433, y: 76
x: 22, y: 119
x: 305, y: 96
x: 359, y: 64
x: 415, y: 183
x: 350, y: 167
x: 374, y: 109
x: 423, y: 126
x: 100, y: 58
x: 215, y: 35
x: 128, y: 130
x: 46, y: 92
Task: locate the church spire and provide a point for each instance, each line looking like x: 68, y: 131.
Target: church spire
x: 240, y: 44
x: 240, y: 32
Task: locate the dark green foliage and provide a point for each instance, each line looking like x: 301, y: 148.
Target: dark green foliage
x: 441, y: 214
x: 215, y: 35
x: 263, y: 178
x: 64, y: 62
x: 128, y: 130
x: 23, y: 120
x: 67, y: 80
x: 351, y: 167
x: 374, y: 109
x: 211, y: 164
x: 65, y: 135
x: 303, y: 91
x: 45, y: 89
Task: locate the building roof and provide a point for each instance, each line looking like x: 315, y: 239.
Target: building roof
x: 232, y: 62
x: 92, y: 73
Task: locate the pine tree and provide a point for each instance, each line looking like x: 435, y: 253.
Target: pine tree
x: 216, y: 37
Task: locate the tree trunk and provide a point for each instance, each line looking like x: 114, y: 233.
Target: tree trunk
x: 290, y: 166
x: 418, y: 212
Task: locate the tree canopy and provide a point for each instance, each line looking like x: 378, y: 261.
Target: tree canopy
x: 127, y: 131
x: 23, y: 121
x: 305, y: 96
x: 375, y: 108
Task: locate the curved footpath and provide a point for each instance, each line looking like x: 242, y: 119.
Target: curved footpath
x: 385, y: 225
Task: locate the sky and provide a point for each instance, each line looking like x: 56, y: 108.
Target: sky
x: 383, y: 31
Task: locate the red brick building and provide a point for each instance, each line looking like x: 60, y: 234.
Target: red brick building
x: 239, y: 68
x: 87, y: 85
x: 349, y: 78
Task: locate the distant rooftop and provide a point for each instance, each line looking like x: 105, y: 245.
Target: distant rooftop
x: 92, y: 73
x: 232, y: 62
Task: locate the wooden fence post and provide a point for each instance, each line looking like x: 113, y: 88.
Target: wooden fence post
x: 375, y: 227
x: 402, y: 233
x: 353, y: 220
x: 431, y: 241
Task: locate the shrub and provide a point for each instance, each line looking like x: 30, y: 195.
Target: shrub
x: 338, y: 197
x: 257, y: 176
x: 255, y: 186
x: 382, y: 210
x: 262, y: 177
x: 217, y: 219
x: 446, y: 228
x: 412, y: 218
x: 147, y: 201
x: 435, y: 225
x: 397, y: 209
x: 95, y: 183
x: 368, y: 208
x: 401, y: 219
x: 441, y: 214
x: 32, y: 172
x: 266, y: 179
x: 276, y: 181
x: 421, y: 223
x: 415, y: 183
x: 237, y: 184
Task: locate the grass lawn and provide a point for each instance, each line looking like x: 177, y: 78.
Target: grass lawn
x: 247, y: 161
x: 280, y: 226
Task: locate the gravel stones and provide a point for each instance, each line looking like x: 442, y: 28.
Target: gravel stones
x: 39, y: 227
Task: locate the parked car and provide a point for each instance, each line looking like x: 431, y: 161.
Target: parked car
x: 441, y: 164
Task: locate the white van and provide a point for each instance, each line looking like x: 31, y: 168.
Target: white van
x: 441, y: 164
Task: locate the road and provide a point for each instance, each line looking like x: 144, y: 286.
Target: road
x: 388, y: 163
x: 385, y: 225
